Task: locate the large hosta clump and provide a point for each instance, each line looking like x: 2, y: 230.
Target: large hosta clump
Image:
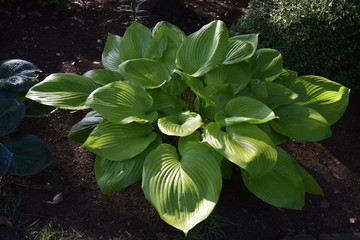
x: 179, y: 112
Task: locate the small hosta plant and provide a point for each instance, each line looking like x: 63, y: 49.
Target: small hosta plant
x: 179, y: 112
x: 28, y: 154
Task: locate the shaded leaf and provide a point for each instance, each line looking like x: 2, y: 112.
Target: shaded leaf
x: 12, y: 112
x: 266, y: 64
x: 5, y: 160
x: 81, y: 130
x: 110, y: 57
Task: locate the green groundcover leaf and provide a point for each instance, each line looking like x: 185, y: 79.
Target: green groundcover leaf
x: 328, y: 98
x: 81, y: 130
x: 110, y: 57
x: 122, y: 102
x: 119, y: 142
x: 12, y: 112
x: 266, y: 64
x: 184, y: 124
x: 183, y: 191
x: 244, y: 144
x: 63, y: 90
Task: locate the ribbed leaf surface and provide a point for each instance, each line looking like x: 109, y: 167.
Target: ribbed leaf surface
x: 266, y: 64
x: 104, y: 76
x: 81, y: 130
x: 110, y: 57
x: 184, y: 124
x: 12, y: 112
x: 240, y: 48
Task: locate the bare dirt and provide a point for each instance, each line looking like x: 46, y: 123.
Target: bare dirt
x: 70, y: 39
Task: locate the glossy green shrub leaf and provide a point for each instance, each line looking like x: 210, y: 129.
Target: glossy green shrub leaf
x: 113, y: 176
x: 81, y: 130
x: 266, y: 64
x: 134, y: 42
x: 145, y: 73
x: 5, y: 160
x: 110, y: 57
x: 328, y: 98
x: 122, y: 102
x: 240, y: 48
x: 31, y: 155
x: 183, y: 191
x: 12, y: 112
x: 104, y: 76
x: 203, y: 50
x: 119, y: 142
x: 63, y: 90
x: 300, y: 123
x: 184, y: 124
x: 245, y: 145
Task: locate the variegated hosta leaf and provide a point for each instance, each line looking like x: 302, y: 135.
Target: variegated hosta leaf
x: 134, y: 42
x: 183, y: 191
x: 238, y: 75
x: 104, y: 76
x: 203, y: 50
x: 300, y: 123
x: 266, y: 64
x: 122, y: 102
x: 119, y: 142
x: 284, y: 185
x: 110, y: 57
x: 113, y: 176
x: 247, y: 109
x: 328, y: 98
x: 243, y: 144
x: 146, y: 73
x: 240, y: 48
x: 184, y: 124
x: 63, y: 90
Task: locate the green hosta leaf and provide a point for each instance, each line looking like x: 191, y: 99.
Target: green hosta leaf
x: 258, y: 90
x: 310, y: 184
x: 110, y: 57
x: 286, y: 77
x: 165, y: 43
x: 113, y: 176
x: 183, y: 191
x: 122, y: 102
x: 184, y: 124
x: 5, y: 160
x: 104, y: 76
x: 203, y: 50
x: 245, y: 145
x: 63, y: 90
x: 165, y: 102
x: 81, y: 130
x: 266, y: 64
x: 275, y: 137
x: 146, y: 73
x: 300, y: 123
x: 238, y: 75
x: 278, y: 95
x: 240, y: 48
x: 282, y: 186
x: 222, y: 94
x: 134, y: 42
x: 12, y: 112
x: 195, y: 137
x: 119, y: 142
x: 247, y: 109
x: 31, y: 155
x: 176, y: 86
x: 328, y: 98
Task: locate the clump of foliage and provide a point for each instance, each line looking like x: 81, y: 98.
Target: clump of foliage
x: 28, y: 154
x: 179, y: 112
x: 315, y: 36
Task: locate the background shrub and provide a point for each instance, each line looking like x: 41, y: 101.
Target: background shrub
x: 39, y: 2
x: 318, y: 37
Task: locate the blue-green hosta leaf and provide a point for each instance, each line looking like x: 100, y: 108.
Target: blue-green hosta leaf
x: 240, y: 48
x: 158, y: 27
x: 238, y: 75
x: 122, y: 102
x: 31, y: 155
x: 145, y: 73
x: 164, y: 45
x: 81, y: 130
x: 328, y: 98
x: 7, y: 93
x: 113, y: 176
x: 247, y: 109
x: 119, y: 142
x: 184, y: 124
x: 5, y: 160
x: 12, y: 112
x: 266, y: 64
x: 134, y: 42
x: 63, y: 90
x: 37, y: 110
x: 110, y: 57
x: 300, y: 123
x: 282, y: 186
x: 278, y: 95
x: 275, y: 137
x: 245, y: 145
x: 104, y: 76
x: 203, y: 50
x: 286, y: 77
x: 183, y: 191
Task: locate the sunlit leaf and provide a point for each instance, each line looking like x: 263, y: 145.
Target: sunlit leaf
x: 110, y: 57
x: 104, y: 76
x: 240, y: 48
x: 184, y: 124
x: 266, y: 64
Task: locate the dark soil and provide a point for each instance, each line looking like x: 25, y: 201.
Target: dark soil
x: 70, y: 39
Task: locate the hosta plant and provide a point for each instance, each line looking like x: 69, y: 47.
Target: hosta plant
x: 179, y: 112
x: 27, y: 154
